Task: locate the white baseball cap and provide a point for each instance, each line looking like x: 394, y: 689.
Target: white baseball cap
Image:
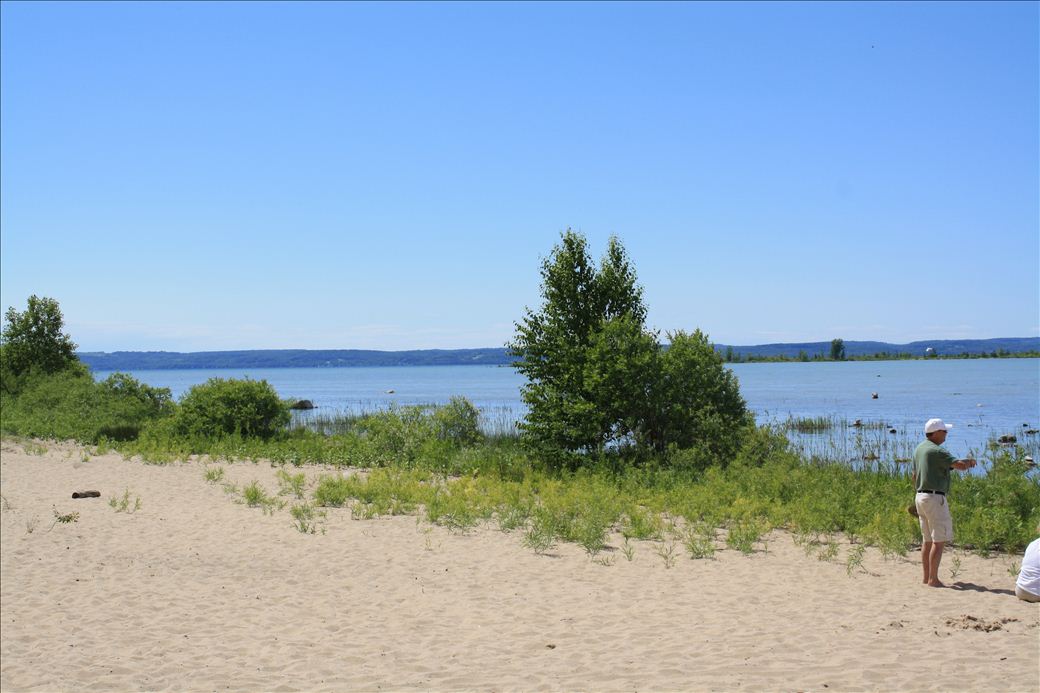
x: 934, y: 425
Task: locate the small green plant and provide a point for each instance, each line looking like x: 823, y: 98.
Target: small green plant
x: 427, y: 533
x: 542, y: 533
x: 627, y: 550
x: 230, y: 488
x: 699, y: 541
x: 65, y: 518
x: 809, y: 541
x: 590, y: 531
x: 34, y: 448
x: 512, y: 517
x: 607, y: 560
x: 125, y: 504
x: 103, y: 447
x: 854, y: 561
x: 955, y: 566
x: 31, y: 523
x: 666, y: 550
x: 84, y: 457
x: 214, y: 474
x: 255, y: 496
x: 744, y: 535
x: 291, y: 484
x: 307, y: 519
x: 829, y: 551
x: 640, y: 523
x: 1013, y: 569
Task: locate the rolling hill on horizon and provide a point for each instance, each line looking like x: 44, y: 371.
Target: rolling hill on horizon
x: 346, y: 358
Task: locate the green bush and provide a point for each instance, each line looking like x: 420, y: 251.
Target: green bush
x: 457, y: 422
x: 219, y: 407
x: 69, y: 405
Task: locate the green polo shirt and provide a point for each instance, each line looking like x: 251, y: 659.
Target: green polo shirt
x: 933, y: 463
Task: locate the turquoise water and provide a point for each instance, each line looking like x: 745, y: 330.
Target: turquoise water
x: 982, y: 397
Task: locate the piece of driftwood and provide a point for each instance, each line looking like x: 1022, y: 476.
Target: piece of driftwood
x: 86, y: 494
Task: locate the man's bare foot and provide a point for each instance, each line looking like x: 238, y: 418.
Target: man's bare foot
x: 935, y: 583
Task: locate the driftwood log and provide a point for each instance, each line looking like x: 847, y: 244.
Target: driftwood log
x: 86, y: 494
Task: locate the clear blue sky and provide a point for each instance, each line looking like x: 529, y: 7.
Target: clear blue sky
x: 189, y: 177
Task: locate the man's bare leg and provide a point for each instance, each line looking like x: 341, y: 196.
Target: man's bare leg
x: 933, y: 564
x: 926, y: 560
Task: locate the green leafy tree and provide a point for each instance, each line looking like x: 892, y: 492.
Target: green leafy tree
x: 621, y: 367
x: 837, y: 350
x: 554, y: 345
x: 598, y: 379
x: 33, y: 341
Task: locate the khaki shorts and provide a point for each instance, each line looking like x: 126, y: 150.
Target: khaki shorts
x: 934, y: 513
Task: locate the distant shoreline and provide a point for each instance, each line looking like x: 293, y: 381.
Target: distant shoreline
x: 1017, y: 347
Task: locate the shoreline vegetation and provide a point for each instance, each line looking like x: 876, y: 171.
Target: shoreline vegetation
x: 435, y: 464
x: 442, y: 465
x: 620, y: 435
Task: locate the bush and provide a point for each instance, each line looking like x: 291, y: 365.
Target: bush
x: 219, y: 407
x: 70, y: 405
x: 457, y: 422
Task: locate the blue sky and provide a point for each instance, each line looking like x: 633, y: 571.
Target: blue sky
x: 190, y: 177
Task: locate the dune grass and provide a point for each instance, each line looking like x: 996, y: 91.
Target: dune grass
x: 440, y: 467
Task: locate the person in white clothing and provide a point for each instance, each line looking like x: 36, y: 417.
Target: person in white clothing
x: 1027, y: 587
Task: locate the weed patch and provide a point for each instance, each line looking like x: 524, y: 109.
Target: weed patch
x: 125, y: 503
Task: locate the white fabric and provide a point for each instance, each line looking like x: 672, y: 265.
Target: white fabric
x: 1029, y: 576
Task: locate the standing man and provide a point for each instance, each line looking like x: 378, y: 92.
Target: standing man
x: 932, y: 465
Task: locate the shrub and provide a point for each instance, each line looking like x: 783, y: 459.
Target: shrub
x: 70, y: 405
x: 696, y: 399
x: 457, y: 422
x: 219, y: 407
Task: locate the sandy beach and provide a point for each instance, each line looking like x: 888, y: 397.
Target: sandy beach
x: 195, y: 592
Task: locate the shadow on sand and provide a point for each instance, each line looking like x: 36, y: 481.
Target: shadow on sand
x: 971, y: 586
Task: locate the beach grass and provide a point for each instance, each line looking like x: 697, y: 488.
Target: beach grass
x: 437, y: 464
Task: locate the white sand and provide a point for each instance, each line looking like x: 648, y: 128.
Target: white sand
x: 197, y: 593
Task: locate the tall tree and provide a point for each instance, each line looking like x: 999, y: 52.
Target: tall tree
x: 33, y: 341
x: 553, y: 345
x: 837, y: 350
x: 597, y: 377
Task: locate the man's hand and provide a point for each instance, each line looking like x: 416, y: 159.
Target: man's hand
x: 964, y: 464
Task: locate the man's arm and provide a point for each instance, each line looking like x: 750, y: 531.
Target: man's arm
x: 966, y: 463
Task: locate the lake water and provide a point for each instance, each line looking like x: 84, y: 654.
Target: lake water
x: 981, y: 397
